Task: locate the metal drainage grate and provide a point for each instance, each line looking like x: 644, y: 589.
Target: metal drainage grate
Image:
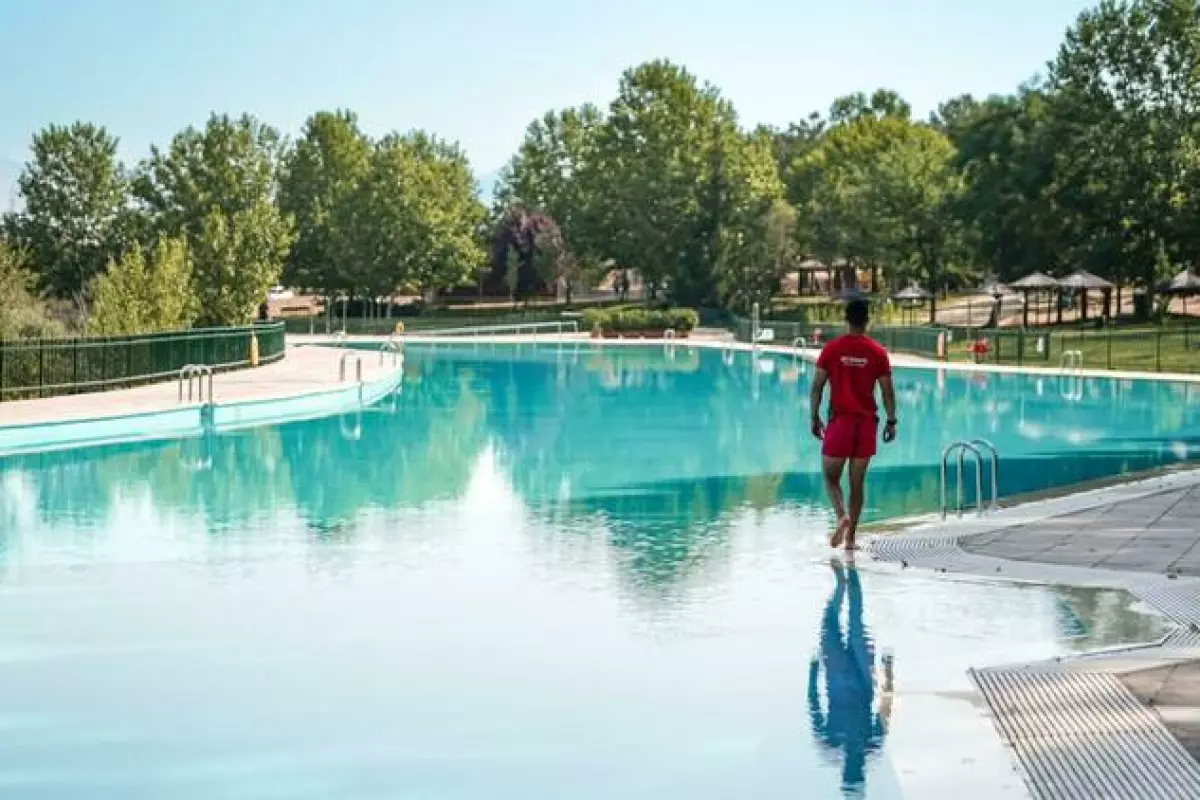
x: 1178, y: 603
x: 1083, y: 735
x: 917, y: 548
x: 1183, y: 637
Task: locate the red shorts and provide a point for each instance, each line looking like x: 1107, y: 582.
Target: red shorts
x: 849, y: 437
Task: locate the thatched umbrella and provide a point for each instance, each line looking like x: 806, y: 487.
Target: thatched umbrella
x: 1083, y: 281
x: 1033, y: 282
x: 914, y: 295
x: 1184, y: 285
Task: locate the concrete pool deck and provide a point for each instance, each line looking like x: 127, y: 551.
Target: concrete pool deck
x: 306, y: 383
x: 302, y: 370
x: 1123, y: 723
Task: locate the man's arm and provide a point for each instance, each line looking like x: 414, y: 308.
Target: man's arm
x: 820, y: 378
x: 889, y: 407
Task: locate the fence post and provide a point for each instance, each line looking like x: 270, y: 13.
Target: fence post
x: 1158, y: 350
x: 75, y: 365
x: 1108, y: 337
x: 41, y: 368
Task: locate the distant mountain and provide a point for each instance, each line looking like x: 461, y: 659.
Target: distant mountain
x: 9, y: 170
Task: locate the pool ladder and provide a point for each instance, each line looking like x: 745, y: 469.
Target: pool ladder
x: 975, y: 447
x: 197, y: 373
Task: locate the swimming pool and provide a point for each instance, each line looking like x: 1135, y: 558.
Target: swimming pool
x: 534, y: 572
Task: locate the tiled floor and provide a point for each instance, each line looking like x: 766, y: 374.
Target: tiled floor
x: 1157, y: 533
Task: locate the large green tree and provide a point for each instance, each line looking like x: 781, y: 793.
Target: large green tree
x: 320, y: 175
x: 548, y: 175
x: 1126, y: 86
x: 217, y: 188
x: 413, y: 221
x: 671, y: 166
x: 75, y: 192
x: 878, y: 191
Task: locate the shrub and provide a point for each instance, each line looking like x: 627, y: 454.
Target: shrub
x: 628, y: 319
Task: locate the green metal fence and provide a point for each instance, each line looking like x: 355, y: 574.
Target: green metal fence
x: 1173, y: 348
x: 917, y: 340
x: 44, y: 367
x: 1162, y: 349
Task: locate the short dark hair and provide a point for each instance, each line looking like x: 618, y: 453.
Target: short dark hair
x: 858, y: 313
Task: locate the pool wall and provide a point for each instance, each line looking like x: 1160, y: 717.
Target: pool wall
x: 194, y: 419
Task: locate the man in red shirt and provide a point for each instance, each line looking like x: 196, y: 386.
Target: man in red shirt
x: 851, y: 364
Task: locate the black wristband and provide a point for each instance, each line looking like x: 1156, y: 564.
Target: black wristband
x: 892, y: 421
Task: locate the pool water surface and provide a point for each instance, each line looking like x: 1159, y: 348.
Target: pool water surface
x: 534, y: 572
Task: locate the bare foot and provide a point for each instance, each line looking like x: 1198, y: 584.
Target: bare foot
x: 850, y: 546
x: 839, y: 531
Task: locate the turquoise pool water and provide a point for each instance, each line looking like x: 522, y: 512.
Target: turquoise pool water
x: 534, y: 572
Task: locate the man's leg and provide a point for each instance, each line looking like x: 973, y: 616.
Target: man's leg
x: 858, y: 478
x: 833, y: 467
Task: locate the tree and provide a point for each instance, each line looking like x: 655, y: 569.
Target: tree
x: 413, y: 220
x: 75, y: 191
x: 515, y: 244
x: 22, y: 313
x: 878, y: 191
x: 670, y: 167
x: 755, y: 252
x: 548, y: 175
x: 1007, y: 153
x: 1127, y: 100
x: 881, y: 103
x: 134, y: 296
x: 217, y: 188
x: 320, y: 175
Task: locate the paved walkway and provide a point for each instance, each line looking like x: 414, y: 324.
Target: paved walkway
x: 1159, y: 533
x: 301, y: 371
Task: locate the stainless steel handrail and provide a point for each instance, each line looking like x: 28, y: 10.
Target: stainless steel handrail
x: 995, y: 458
x: 389, y: 347
x: 198, y: 372
x: 357, y: 366
x: 962, y: 448
x: 1071, y: 359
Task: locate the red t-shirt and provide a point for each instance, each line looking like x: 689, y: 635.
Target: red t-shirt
x: 854, y: 363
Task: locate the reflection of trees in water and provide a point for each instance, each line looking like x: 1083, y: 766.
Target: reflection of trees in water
x: 401, y: 459
x: 1104, y: 618
x: 665, y: 451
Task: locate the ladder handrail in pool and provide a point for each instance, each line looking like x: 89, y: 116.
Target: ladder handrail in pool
x: 995, y: 456
x: 357, y: 366
x: 962, y: 447
x: 198, y: 372
x: 390, y: 346
x: 1071, y: 359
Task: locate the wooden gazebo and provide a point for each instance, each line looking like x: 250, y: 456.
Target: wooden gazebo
x: 1083, y: 281
x: 1033, y: 283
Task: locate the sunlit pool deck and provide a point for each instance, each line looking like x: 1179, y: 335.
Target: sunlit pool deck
x: 1078, y: 726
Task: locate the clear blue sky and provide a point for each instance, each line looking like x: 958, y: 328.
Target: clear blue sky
x: 479, y: 71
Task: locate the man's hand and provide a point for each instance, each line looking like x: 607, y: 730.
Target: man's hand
x: 889, y: 431
x: 818, y: 428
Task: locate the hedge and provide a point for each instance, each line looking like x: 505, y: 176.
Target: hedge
x: 627, y: 318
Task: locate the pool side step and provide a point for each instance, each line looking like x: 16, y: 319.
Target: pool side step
x: 1082, y: 736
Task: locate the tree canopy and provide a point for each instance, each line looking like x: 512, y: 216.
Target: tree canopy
x: 1094, y: 166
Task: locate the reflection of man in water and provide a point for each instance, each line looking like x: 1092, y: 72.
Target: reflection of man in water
x: 849, y: 725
